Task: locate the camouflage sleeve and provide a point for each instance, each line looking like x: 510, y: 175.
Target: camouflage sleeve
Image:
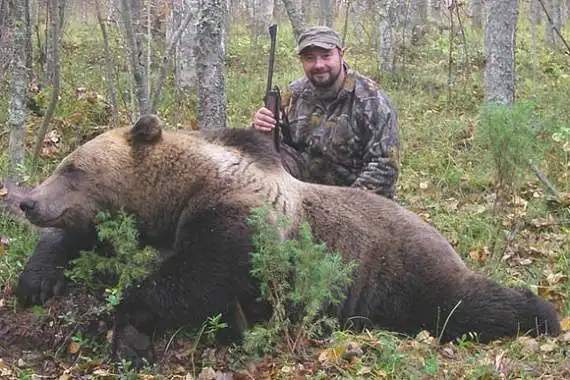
x: 380, y: 162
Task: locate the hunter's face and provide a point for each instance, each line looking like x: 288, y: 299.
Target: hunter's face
x: 322, y: 67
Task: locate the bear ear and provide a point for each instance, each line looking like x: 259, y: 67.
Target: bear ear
x: 147, y: 129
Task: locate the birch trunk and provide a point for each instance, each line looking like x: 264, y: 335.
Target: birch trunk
x: 57, y: 19
x: 210, y: 59
x: 135, y: 54
x: 111, y: 93
x: 476, y: 7
x: 554, y: 9
x: 387, y: 33
x: 296, y: 16
x: 260, y: 13
x: 499, y: 50
x: 185, y: 54
x: 326, y: 12
x: 17, y: 112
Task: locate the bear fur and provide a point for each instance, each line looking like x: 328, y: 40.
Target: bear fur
x: 192, y: 194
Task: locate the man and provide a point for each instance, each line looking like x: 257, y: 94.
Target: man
x: 339, y: 128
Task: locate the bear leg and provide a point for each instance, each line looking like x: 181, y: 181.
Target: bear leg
x: 42, y: 277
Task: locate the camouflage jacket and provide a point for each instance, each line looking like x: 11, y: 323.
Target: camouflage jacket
x: 345, y: 139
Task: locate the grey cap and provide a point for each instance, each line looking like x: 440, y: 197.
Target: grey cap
x: 320, y: 36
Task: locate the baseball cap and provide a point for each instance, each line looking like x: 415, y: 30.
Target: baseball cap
x: 320, y: 36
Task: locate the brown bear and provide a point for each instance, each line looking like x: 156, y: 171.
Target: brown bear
x: 192, y: 194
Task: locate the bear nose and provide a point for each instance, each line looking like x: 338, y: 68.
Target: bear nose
x: 27, y: 205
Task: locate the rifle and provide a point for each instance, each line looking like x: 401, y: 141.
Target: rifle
x: 272, y: 100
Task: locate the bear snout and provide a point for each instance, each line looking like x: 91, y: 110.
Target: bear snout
x: 28, y: 205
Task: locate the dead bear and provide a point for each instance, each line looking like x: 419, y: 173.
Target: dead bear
x: 192, y: 193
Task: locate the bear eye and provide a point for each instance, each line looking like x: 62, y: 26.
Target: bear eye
x: 73, y: 175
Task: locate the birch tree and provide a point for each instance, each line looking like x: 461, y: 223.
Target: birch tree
x: 210, y: 60
x: 135, y: 54
x: 260, y: 13
x: 499, y: 50
x: 108, y: 66
x: 296, y: 16
x: 56, y: 9
x: 476, y: 7
x: 185, y: 69
x: 17, y: 111
x: 555, y: 11
x: 326, y: 12
x: 387, y: 11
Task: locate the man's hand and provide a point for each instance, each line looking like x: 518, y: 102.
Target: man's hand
x: 263, y: 120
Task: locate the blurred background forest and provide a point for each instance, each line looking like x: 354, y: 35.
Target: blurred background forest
x: 481, y: 88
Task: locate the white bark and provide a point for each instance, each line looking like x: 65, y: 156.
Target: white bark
x: 17, y: 111
x: 210, y: 59
x: 185, y: 71
x: 296, y: 16
x: 326, y: 12
x: 388, y: 18
x: 260, y: 14
x: 476, y: 7
x: 554, y: 9
x: 499, y: 49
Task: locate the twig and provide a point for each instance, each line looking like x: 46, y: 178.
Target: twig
x: 542, y: 177
x: 567, y: 52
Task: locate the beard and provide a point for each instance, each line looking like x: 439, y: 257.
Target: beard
x: 324, y: 81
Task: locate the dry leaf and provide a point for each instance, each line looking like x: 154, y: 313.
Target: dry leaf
x: 73, y: 348
x: 3, y: 191
x: 547, y: 347
x: 528, y: 343
x: 565, y: 324
x: 479, y: 254
x: 331, y: 355
x: 207, y: 373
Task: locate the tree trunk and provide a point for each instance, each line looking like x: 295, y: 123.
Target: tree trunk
x: 135, y: 55
x: 499, y: 49
x: 111, y: 93
x: 260, y: 13
x: 554, y: 9
x: 17, y: 112
x: 57, y: 17
x: 296, y: 16
x: 185, y: 70
x: 326, y: 12
x: 476, y: 13
x: 434, y: 11
x: 168, y: 52
x: 210, y: 59
x: 387, y: 11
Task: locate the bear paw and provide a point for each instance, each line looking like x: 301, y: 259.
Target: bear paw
x: 36, y: 285
x: 133, y: 346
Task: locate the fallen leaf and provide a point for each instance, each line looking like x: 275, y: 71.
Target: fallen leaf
x: 547, y: 347
x: 331, y: 355
x: 3, y: 191
x: 73, y: 348
x: 528, y: 343
x: 207, y: 373
x: 565, y: 324
x: 448, y: 353
x: 502, y: 364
